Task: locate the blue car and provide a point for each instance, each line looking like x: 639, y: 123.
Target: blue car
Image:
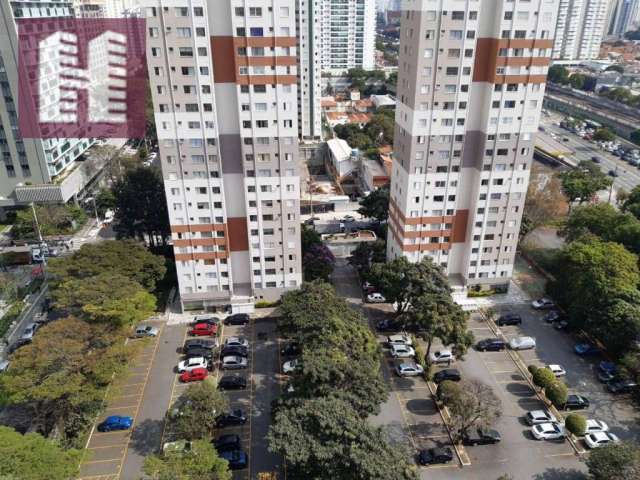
x: 237, y: 459
x: 586, y: 349
x: 115, y: 422
x: 607, y: 371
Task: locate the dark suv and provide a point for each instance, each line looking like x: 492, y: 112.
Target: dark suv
x: 491, y: 345
x: 448, y: 374
x: 481, y: 437
x: 576, y: 402
x: 622, y: 386
x: 509, y: 319
x: 237, y: 319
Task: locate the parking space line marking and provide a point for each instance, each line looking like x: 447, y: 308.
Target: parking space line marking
x: 107, y: 446
x: 126, y: 396
x: 111, y: 460
x: 116, y: 408
x: 568, y: 454
x: 129, y: 385
x: 103, y: 434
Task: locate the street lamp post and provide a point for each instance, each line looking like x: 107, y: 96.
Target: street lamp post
x: 615, y: 175
x: 40, y: 241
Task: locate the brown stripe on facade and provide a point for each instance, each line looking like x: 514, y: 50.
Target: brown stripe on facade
x: 242, y: 61
x: 460, y: 220
x: 199, y: 242
x: 186, y: 257
x: 265, y: 41
x: 520, y: 79
x: 238, y: 234
x: 223, y: 54
x: 457, y: 232
x: 200, y: 227
x: 266, y: 79
x: 487, y: 59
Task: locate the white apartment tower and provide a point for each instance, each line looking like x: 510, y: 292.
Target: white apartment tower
x: 348, y: 35
x: 470, y: 86
x: 580, y: 26
x: 223, y: 76
x: 622, y: 17
x: 309, y: 33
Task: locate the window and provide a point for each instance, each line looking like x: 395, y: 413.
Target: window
x: 284, y: 11
x: 255, y: 11
x: 455, y: 34
x: 429, y: 34
x: 183, y: 32
x: 457, y: 15
x: 428, y: 53
x: 239, y: 11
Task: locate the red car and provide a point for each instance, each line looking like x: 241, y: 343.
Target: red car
x: 195, y: 375
x: 204, y: 329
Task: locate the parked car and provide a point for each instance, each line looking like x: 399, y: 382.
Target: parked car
x: 433, y: 456
x: 179, y: 446
x: 230, y: 382
x: 29, y: 331
x: 522, y: 343
x: 209, y: 344
x: 595, y: 159
x: 552, y: 316
x: 227, y: 442
x: 451, y: 374
x: 290, y: 366
x: 613, y: 173
x: 206, y: 318
x: 192, y: 363
x: 348, y: 219
x: 291, y: 350
x: 236, y: 342
x: 237, y: 319
x: 203, y: 330
x: 399, y: 340
x: 237, y: 351
x: 548, y: 431
x: 368, y: 287
x: 576, y: 402
x: 388, y: 325
x: 402, y: 351
x: 200, y: 352
x: 481, y: 437
x: 561, y: 325
x: 535, y: 417
x: 607, y: 371
x: 622, y: 386
x: 376, y: 297
x: 234, y: 417
x: 233, y: 362
x: 21, y: 342
x: 543, y: 304
x: 442, y: 356
x: 409, y: 370
x: 115, y: 422
x: 594, y: 426
x: 557, y: 370
x: 146, y: 331
x: 237, y: 459
x: 600, y: 439
x: 586, y: 349
x: 509, y: 319
x: 491, y: 345
x: 195, y: 375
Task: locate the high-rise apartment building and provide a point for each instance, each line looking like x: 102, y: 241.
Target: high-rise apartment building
x: 348, y: 35
x: 31, y: 169
x: 471, y: 80
x: 223, y: 76
x: 623, y: 14
x: 309, y: 33
x: 580, y: 26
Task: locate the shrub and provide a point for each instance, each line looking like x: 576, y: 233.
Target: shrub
x: 447, y: 391
x: 576, y: 424
x: 544, y: 378
x: 420, y: 355
x: 480, y: 293
x: 557, y: 393
x: 10, y: 315
x: 266, y: 304
x: 532, y: 369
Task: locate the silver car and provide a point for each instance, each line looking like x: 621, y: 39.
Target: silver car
x: 146, y: 331
x: 29, y: 331
x: 233, y: 362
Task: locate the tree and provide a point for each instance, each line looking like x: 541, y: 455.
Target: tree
x: 576, y: 424
x: 600, y: 219
x: 380, y: 129
x: 141, y: 207
x: 105, y: 200
x: 196, y: 411
x: 616, y: 460
x: 558, y: 74
x: 604, y: 135
x: 200, y: 462
x: 449, y: 392
x: 557, y: 394
x: 52, y: 220
x: 545, y: 202
x: 309, y: 238
x: 632, y: 202
x: 368, y: 253
x: 544, y: 378
x: 475, y: 407
x: 583, y: 182
x: 318, y: 263
x: 577, y: 80
x: 325, y: 438
x: 34, y: 457
x: 376, y: 205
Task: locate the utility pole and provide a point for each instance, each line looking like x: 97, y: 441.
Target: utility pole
x: 615, y: 175
x: 40, y: 241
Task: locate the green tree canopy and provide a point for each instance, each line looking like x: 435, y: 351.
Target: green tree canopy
x: 52, y: 220
x: 473, y: 406
x: 376, y: 205
x: 558, y: 74
x: 582, y: 183
x: 368, y: 253
x: 380, y: 129
x: 195, y: 411
x: 318, y: 263
x: 617, y: 460
x: 604, y: 134
x: 200, y: 462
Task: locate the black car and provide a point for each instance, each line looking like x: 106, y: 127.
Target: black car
x: 481, y: 437
x: 435, y: 455
x: 622, y: 386
x: 199, y: 352
x: 234, y: 417
x: 388, y: 325
x: 509, y: 319
x: 237, y: 459
x: 491, y: 345
x: 613, y: 173
x: 199, y: 343
x: 561, y: 325
x: 595, y: 159
x: 237, y: 319
x: 232, y: 382
x: 447, y: 374
x: 21, y: 342
x: 227, y: 442
x: 291, y: 350
x: 576, y: 402
x: 552, y: 316
x: 234, y: 350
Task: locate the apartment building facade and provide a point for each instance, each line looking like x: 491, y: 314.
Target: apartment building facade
x: 624, y: 15
x: 580, y: 27
x: 309, y: 33
x: 223, y: 76
x: 30, y: 168
x: 471, y: 80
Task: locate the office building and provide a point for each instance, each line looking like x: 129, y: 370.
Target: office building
x: 580, y: 26
x: 623, y: 17
x: 223, y: 76
x: 348, y: 35
x: 471, y: 79
x: 32, y: 169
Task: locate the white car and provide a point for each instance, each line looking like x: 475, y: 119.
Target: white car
x: 402, y: 351
x: 233, y: 362
x: 146, y: 331
x: 399, y: 340
x: 409, y: 370
x: 290, y: 366
x: 600, y: 439
x: 548, y: 431
x: 442, y: 356
x: 535, y: 417
x: 236, y: 342
x: 192, y: 363
x: 595, y: 426
x: 29, y: 331
x: 543, y: 303
x: 376, y: 298
x: 557, y: 370
x: 522, y: 343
